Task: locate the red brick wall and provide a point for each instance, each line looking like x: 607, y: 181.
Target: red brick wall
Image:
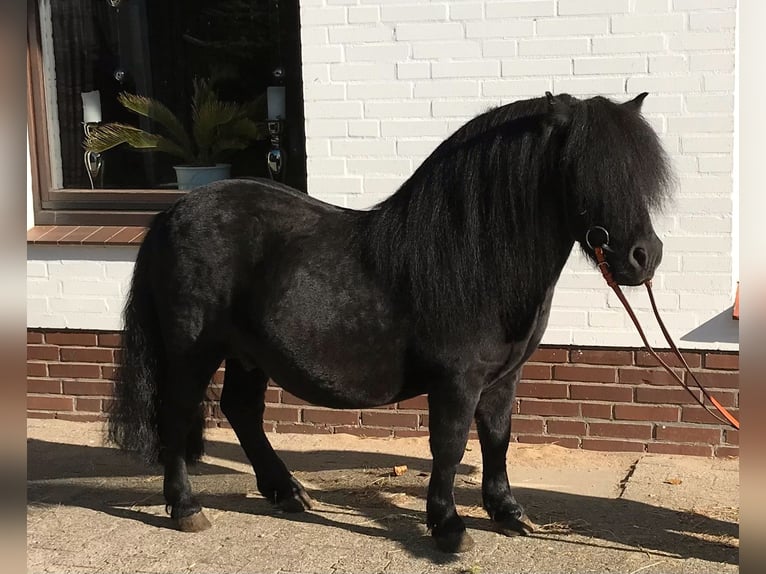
x: 596, y: 399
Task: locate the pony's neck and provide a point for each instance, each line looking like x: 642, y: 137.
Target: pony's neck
x: 453, y: 268
x: 480, y: 227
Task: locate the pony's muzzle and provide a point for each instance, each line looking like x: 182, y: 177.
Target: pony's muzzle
x: 644, y: 258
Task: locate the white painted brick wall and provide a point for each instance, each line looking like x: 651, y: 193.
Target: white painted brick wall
x: 411, y: 72
x: 385, y: 81
x: 77, y: 287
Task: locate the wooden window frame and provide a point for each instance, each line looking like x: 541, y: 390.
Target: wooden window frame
x: 122, y: 207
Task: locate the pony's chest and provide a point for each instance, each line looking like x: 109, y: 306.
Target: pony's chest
x: 503, y: 351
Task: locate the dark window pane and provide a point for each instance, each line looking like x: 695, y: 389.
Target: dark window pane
x: 96, y: 49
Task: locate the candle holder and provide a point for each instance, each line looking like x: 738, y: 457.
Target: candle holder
x: 94, y: 163
x: 275, y: 102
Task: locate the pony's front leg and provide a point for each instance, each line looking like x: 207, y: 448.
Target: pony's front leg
x: 450, y: 412
x: 493, y: 422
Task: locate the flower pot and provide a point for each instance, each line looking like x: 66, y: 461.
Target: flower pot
x: 189, y: 176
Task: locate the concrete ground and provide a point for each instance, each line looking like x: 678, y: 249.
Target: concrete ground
x: 92, y: 509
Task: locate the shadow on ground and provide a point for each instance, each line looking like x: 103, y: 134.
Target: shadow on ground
x: 105, y: 480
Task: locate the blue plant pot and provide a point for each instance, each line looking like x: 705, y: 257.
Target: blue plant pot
x: 189, y: 177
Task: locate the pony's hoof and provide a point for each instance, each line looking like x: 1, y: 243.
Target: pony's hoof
x: 298, y: 502
x: 454, y: 542
x: 196, y: 522
x: 517, y: 526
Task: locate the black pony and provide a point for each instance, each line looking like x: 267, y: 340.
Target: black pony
x: 444, y: 289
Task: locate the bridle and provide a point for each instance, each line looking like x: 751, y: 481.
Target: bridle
x: 597, y: 238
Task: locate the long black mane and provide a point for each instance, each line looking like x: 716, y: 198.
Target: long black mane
x: 449, y: 240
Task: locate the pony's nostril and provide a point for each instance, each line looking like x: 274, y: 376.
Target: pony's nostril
x: 640, y: 257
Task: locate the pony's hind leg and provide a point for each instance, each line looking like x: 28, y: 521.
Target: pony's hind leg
x: 180, y: 426
x: 493, y: 423
x: 242, y: 401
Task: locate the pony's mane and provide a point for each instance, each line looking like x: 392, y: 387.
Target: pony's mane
x: 449, y: 241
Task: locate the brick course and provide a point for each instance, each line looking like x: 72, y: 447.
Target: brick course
x: 600, y: 403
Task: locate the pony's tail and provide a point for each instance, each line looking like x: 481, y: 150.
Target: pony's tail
x: 133, y: 414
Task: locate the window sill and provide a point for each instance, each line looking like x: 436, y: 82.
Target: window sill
x: 85, y: 235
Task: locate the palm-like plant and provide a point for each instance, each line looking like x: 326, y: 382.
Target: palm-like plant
x: 217, y: 128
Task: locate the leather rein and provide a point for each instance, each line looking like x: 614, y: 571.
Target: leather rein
x: 603, y: 265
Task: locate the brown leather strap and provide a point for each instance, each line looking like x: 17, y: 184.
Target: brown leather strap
x: 729, y: 417
x: 604, y: 267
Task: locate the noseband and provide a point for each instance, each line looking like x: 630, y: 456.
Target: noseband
x: 597, y: 238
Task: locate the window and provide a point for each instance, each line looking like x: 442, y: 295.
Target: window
x: 82, y: 54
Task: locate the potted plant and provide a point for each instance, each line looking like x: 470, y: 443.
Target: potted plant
x: 218, y: 128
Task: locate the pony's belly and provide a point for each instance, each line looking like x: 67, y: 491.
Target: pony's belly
x: 326, y: 333
x: 339, y: 379
x: 337, y: 394
x: 315, y: 355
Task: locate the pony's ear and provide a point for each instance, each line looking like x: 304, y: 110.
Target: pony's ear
x: 636, y: 103
x: 558, y: 110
